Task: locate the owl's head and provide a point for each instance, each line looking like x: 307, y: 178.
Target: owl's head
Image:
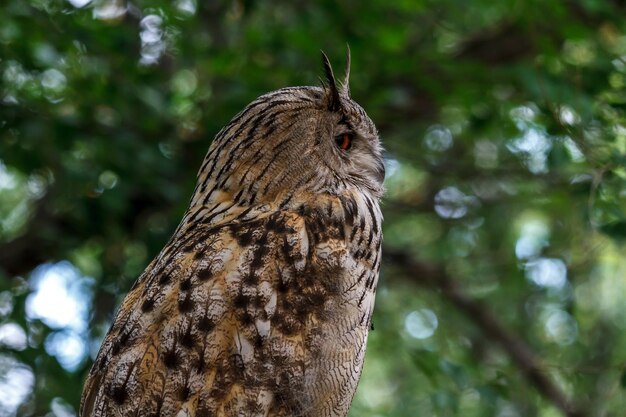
x: 297, y: 139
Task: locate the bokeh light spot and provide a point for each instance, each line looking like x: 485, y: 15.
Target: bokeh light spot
x: 421, y: 324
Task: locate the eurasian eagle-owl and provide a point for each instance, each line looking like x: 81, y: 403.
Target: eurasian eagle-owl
x: 261, y: 302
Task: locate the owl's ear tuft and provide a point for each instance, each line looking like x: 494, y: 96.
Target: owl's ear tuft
x: 332, y: 93
x: 345, y: 85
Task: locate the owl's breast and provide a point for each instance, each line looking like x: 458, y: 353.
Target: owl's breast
x: 265, y: 315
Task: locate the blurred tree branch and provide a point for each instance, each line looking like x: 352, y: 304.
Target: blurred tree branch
x: 436, y: 277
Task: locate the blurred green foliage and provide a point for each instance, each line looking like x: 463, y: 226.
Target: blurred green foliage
x: 505, y: 129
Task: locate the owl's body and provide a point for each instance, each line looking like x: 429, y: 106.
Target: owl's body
x: 261, y: 302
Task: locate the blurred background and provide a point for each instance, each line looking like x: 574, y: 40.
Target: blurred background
x: 503, y: 291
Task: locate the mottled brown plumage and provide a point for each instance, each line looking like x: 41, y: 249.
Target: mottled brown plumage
x: 261, y: 302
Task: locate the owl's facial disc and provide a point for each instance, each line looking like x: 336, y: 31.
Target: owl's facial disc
x: 357, y: 147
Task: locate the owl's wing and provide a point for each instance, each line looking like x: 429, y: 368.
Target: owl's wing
x: 233, y: 320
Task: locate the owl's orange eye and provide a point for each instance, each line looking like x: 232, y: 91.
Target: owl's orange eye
x: 344, y: 141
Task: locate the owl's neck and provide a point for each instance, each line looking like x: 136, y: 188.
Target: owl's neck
x: 211, y: 205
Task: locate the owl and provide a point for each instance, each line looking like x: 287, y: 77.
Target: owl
x: 261, y: 302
